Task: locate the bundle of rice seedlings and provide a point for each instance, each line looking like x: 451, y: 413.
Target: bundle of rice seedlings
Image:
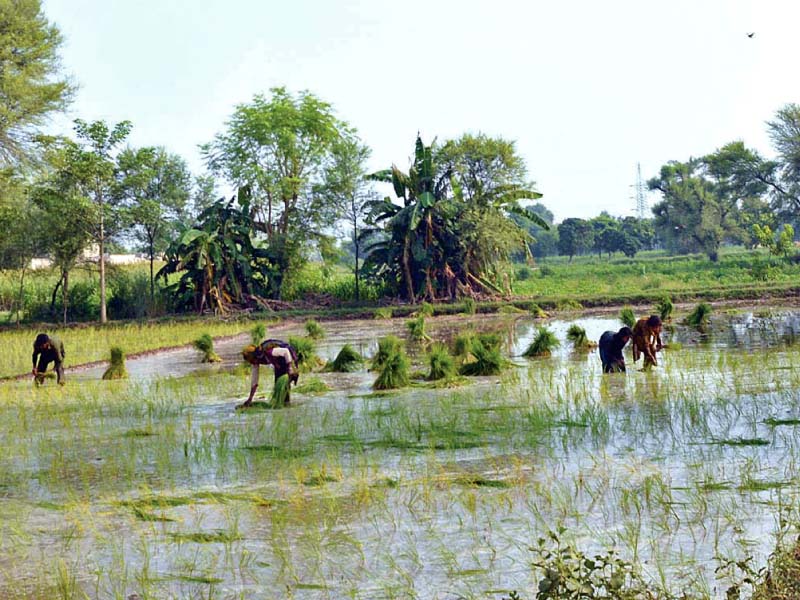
x: 314, y: 330
x: 425, y: 310
x: 384, y: 312
x: 386, y: 347
x: 577, y: 335
x: 537, y: 311
x: 205, y: 344
x: 627, y: 316
x: 543, y: 344
x: 346, y: 361
x: 469, y: 306
x: 665, y: 308
x: 116, y: 370
x: 484, y: 360
x: 394, y: 373
x: 416, y: 329
x: 306, y: 349
x: 280, y: 393
x: 491, y: 341
x: 258, y: 333
x: 699, y: 317
x: 312, y: 385
x: 462, y: 345
x: 442, y: 365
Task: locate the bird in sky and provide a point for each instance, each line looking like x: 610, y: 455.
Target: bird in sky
x: 750, y: 35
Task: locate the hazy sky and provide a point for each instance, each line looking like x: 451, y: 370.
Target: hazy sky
x: 586, y: 88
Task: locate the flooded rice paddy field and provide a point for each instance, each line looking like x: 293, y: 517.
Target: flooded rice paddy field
x: 156, y: 487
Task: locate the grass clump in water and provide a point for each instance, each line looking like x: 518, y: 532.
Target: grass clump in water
x: 699, y: 317
x: 258, y: 333
x: 385, y: 312
x: 665, y: 308
x: 543, y: 344
x: 425, y: 310
x: 482, y: 358
x: 346, y: 361
x: 314, y: 330
x: 441, y: 363
x: 116, y: 370
x: 205, y: 344
x: 577, y: 335
x: 202, y: 537
x: 386, y: 347
x: 313, y: 385
x: 306, y: 350
x: 394, y: 372
x: 627, y: 317
x: 416, y: 329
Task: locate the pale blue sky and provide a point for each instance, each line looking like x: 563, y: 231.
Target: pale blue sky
x: 586, y: 88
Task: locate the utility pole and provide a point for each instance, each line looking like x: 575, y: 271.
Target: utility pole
x: 640, y: 193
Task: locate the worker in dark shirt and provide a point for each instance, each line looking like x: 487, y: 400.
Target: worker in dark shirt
x: 279, y: 354
x: 610, y: 346
x: 48, y: 349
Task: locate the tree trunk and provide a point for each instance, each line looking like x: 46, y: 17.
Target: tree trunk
x: 65, y: 294
x: 152, y: 280
x: 355, y: 244
x: 102, y: 248
x: 407, y: 274
x: 55, y: 293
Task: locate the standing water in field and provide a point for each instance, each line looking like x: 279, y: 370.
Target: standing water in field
x: 157, y: 486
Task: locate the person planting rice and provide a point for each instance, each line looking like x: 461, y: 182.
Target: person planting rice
x: 610, y: 346
x: 48, y: 349
x: 647, y: 340
x: 283, y: 359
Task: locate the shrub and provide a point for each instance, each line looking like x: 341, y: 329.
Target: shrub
x: 346, y: 361
x: 116, y: 370
x: 306, y: 350
x: 258, y: 333
x: 699, y: 317
x: 577, y: 335
x: 314, y: 330
x: 394, y: 373
x: 545, y: 271
x: 543, y: 344
x: 386, y: 347
x: 665, y: 308
x: 205, y: 344
x: 524, y: 273
x: 441, y: 363
x: 627, y: 317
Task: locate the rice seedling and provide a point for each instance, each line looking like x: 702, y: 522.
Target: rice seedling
x: 482, y: 358
x: 664, y: 308
x: 441, y: 363
x: 205, y: 344
x: 314, y: 330
x: 577, y: 335
x: 312, y: 385
x: 627, y: 316
x: 280, y: 392
x: 699, y: 317
x: 307, y: 359
x: 258, y: 333
x: 384, y: 312
x: 536, y: 311
x: 386, y: 347
x: 568, y: 305
x: 116, y: 370
x: 394, y: 371
x: 469, y: 306
x: 346, y: 360
x: 425, y: 310
x: 543, y: 344
x: 416, y: 329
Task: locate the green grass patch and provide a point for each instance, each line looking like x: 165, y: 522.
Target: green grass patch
x: 218, y: 536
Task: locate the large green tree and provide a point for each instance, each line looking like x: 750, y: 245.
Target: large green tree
x: 279, y: 146
x: 155, y: 186
x: 31, y: 86
x: 575, y: 236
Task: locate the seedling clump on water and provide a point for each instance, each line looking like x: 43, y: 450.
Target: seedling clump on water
x: 314, y: 330
x: 346, y: 361
x: 577, y: 335
x: 258, y: 333
x: 543, y: 344
x: 205, y: 344
x: 116, y: 370
x: 386, y: 347
x: 394, y: 371
x: 442, y: 365
x: 306, y: 349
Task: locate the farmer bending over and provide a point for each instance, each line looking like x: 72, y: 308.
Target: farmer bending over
x: 647, y: 340
x: 610, y: 346
x: 48, y: 349
x: 280, y: 355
